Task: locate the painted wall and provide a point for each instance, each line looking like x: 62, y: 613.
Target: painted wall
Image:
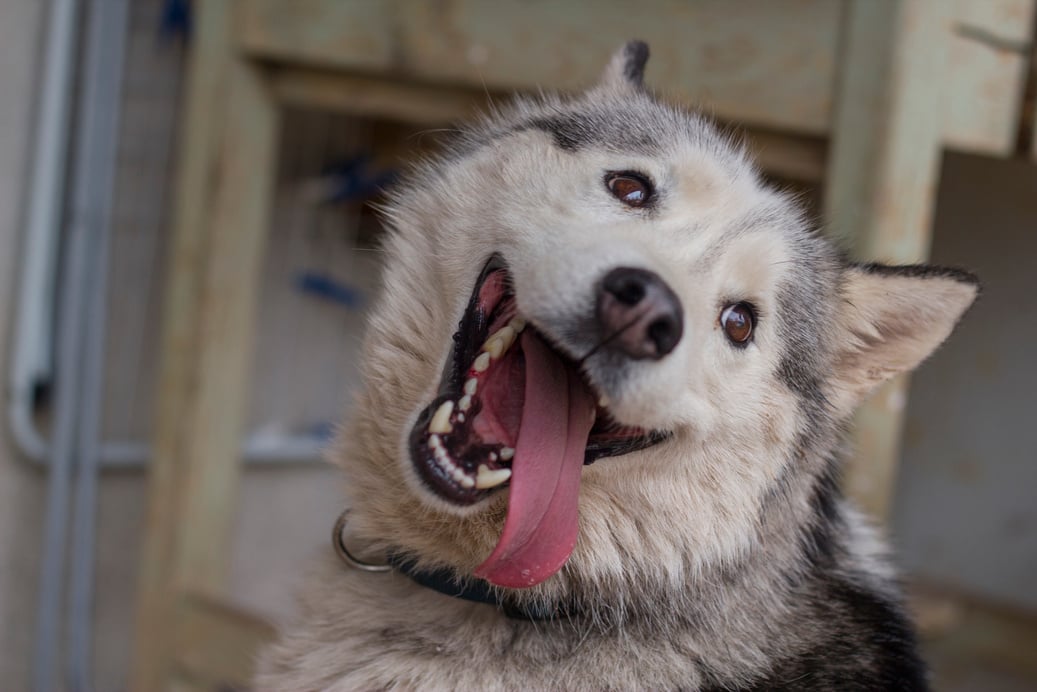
x: 966, y: 506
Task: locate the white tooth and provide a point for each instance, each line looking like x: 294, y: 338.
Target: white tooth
x: 507, y: 335
x: 470, y: 386
x: 445, y: 461
x: 435, y: 442
x: 465, y: 403
x: 482, y: 362
x: 494, y: 346
x: 463, y: 478
x: 487, y: 478
x: 518, y: 324
x: 500, y: 341
x: 506, y: 453
x: 441, y: 420
x: 493, y: 456
x: 460, y: 418
x: 603, y: 401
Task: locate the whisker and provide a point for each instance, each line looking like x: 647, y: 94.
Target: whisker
x: 604, y: 342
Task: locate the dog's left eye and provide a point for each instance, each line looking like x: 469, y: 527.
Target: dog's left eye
x: 632, y: 189
x: 738, y: 320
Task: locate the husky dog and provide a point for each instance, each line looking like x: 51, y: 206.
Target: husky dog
x: 603, y: 399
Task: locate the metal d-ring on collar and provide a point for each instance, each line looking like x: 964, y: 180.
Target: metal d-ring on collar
x: 338, y: 540
x: 444, y: 581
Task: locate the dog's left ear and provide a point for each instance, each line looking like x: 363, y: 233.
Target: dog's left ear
x: 626, y: 69
x: 891, y: 319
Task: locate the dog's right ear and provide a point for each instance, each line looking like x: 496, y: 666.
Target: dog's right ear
x: 626, y: 69
x: 890, y: 320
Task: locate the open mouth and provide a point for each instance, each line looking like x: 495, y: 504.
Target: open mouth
x: 514, y: 411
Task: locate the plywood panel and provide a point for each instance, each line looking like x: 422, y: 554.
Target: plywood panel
x: 986, y: 73
x: 355, y: 34
x: 768, y: 63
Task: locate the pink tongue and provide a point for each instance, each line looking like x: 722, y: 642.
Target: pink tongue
x: 541, y: 527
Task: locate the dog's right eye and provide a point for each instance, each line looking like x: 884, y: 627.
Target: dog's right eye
x: 630, y: 188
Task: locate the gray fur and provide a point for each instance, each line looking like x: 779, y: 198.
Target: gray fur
x: 724, y: 558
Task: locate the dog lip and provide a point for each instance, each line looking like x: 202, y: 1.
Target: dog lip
x: 448, y: 466
x: 453, y: 368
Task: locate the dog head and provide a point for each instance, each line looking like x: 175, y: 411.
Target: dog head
x: 607, y: 279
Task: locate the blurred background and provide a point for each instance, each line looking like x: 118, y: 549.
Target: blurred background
x: 187, y: 250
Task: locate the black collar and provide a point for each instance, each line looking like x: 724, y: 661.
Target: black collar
x: 477, y: 590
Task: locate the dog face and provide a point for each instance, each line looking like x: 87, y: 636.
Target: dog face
x: 607, y: 279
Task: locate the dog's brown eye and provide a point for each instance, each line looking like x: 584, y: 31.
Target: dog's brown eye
x: 631, y: 189
x: 737, y: 321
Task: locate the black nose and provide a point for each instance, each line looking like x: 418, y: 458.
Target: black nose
x: 640, y: 315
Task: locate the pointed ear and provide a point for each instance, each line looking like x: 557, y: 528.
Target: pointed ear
x: 891, y: 319
x: 626, y: 68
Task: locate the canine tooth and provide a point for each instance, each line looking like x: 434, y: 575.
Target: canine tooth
x: 500, y: 341
x: 441, y: 419
x: 518, y: 324
x: 603, y: 401
x: 507, y: 334
x: 465, y: 403
x: 494, y: 346
x: 487, y: 478
x: 506, y: 453
x: 493, y: 456
x: 470, y: 386
x: 460, y: 418
x: 435, y: 442
x: 482, y: 362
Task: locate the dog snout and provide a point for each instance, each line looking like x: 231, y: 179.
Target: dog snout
x: 639, y: 314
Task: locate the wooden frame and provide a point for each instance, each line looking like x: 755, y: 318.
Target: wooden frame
x: 882, y: 180
x: 223, y: 186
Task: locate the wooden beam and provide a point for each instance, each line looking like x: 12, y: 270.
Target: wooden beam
x: 801, y: 159
x: 883, y: 172
x: 352, y: 94
x: 218, y: 402
x: 215, y: 644
x: 224, y: 184
x: 202, y: 122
